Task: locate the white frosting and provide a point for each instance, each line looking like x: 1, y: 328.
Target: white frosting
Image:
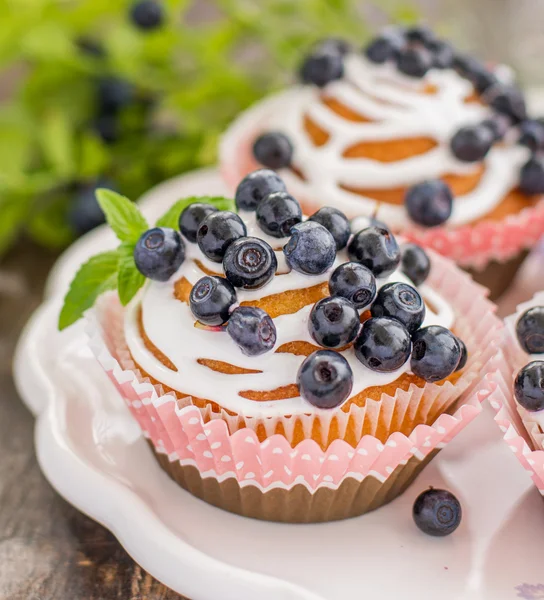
x: 399, y: 111
x: 169, y: 324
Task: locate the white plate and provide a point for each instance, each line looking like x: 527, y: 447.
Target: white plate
x: 91, y: 450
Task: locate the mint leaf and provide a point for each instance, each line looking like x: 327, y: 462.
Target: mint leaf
x: 129, y: 279
x: 171, y: 217
x: 94, y: 277
x: 122, y: 215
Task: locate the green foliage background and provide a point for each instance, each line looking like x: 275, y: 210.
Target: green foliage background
x: 191, y: 76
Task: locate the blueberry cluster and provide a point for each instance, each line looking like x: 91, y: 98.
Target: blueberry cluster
x: 529, y: 383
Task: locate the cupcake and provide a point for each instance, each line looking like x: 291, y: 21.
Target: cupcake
x: 284, y: 368
x: 412, y: 133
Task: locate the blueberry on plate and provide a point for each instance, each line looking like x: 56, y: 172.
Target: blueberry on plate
x: 334, y: 322
x: 376, y: 248
x: 415, y: 263
x: 249, y: 263
x: 255, y: 187
x: 530, y: 330
x: 429, y: 203
x: 436, y: 353
x: 278, y: 213
x: 147, y: 14
x: 217, y: 232
x: 385, y: 47
x: 415, y: 61
x: 402, y: 302
x: 252, y: 329
x: 531, y: 177
x: 508, y: 100
x: 437, y: 512
x: 191, y: 218
x: 159, y: 253
x: 383, y: 345
x: 354, y: 282
x: 325, y: 379
x: 472, y: 143
x: 311, y: 249
x: 273, y: 150
x: 464, y: 355
x: 212, y: 299
x: 323, y: 65
x: 529, y: 386
x: 336, y: 223
x: 532, y: 135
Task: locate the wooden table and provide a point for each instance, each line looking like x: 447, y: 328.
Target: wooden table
x: 48, y: 550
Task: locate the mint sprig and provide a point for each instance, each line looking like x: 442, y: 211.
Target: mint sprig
x: 116, y: 269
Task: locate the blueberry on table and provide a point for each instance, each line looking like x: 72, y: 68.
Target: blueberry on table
x: 532, y: 135
x: 325, y: 379
x: 278, y: 213
x: 354, y: 282
x: 323, y: 65
x: 464, y: 355
x: 147, y: 14
x: 530, y: 330
x: 217, y: 232
x: 415, y: 61
x: 191, y: 218
x: 212, y: 299
x: 336, y: 223
x: 273, y: 150
x: 508, y: 100
x: 385, y: 47
x: 402, y: 302
x: 529, y: 386
x: 429, y: 203
x: 472, y: 143
x: 334, y: 322
x: 249, y: 263
x: 531, y: 177
x: 159, y: 253
x: 437, y: 512
x: 436, y: 353
x: 376, y: 248
x: 415, y: 263
x: 252, y: 329
x: 255, y: 187
x: 311, y: 249
x: 383, y: 345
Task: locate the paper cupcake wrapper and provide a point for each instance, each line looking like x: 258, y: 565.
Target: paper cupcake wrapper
x: 471, y: 246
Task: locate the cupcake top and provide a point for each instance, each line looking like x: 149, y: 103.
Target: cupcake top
x: 267, y: 313
x: 407, y: 130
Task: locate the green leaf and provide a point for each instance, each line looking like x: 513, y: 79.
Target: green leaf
x: 129, y: 280
x: 171, y: 217
x: 93, y: 156
x: 58, y: 143
x: 96, y: 276
x: 122, y: 215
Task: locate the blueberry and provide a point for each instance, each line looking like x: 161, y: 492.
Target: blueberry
x: 159, y: 253
x: 442, y: 53
x: 277, y: 213
x: 402, y: 302
x: 354, y: 282
x: 530, y: 330
x: 420, y: 34
x: 437, y: 512
x: 273, y: 150
x: 531, y: 179
x: 85, y: 213
x: 249, y: 263
x: 415, y: 61
x: 508, y: 100
x: 325, y: 379
x: 415, y: 263
x: 324, y: 65
x: 212, y: 299
x: 475, y: 71
x: 147, y: 14
x: 113, y: 94
x: 334, y: 322
x: 255, y: 187
x: 377, y: 249
x: 336, y: 223
x: 311, y: 249
x: 532, y: 135
x: 252, y: 329
x: 106, y: 126
x: 385, y: 47
x: 464, y: 355
x: 429, y: 203
x: 529, y: 386
x: 472, y: 143
x: 498, y: 125
x: 436, y: 353
x: 383, y: 345
x: 191, y: 218
x: 217, y: 232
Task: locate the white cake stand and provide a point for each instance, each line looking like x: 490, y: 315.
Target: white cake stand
x: 92, y: 452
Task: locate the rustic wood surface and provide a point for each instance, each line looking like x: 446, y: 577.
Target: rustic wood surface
x: 48, y: 550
